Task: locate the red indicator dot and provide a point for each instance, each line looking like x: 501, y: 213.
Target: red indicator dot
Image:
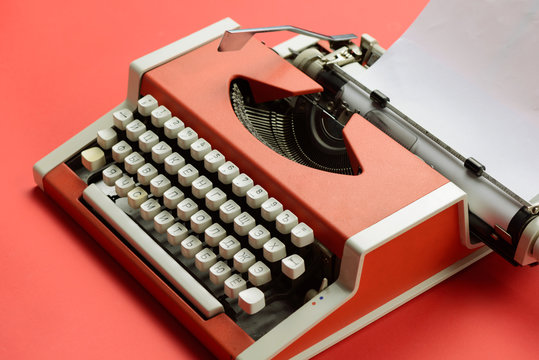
x: 314, y: 302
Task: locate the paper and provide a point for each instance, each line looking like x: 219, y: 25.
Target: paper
x: 467, y: 72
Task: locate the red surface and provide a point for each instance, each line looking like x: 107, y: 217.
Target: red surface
x: 334, y: 218
x: 62, y: 65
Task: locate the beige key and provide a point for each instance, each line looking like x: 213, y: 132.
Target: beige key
x: 123, y: 185
x: 172, y: 197
x: 120, y: 151
x: 215, y: 198
x: 293, y: 266
x: 274, y: 250
x: 200, y: 221
x: 146, y: 173
x: 234, y: 285
x: 259, y: 274
x: 219, y: 272
x: 134, y: 129
x: 243, y: 259
x: 93, y: 158
x: 204, y: 259
x: 106, y: 138
x: 172, y: 127
x: 186, y: 208
x: 160, y: 115
x: 147, y: 140
x: 213, y: 234
x: 190, y: 246
x: 241, y: 184
x: 228, y: 247
x: 121, y: 118
x: 146, y: 105
x: 111, y: 174
x: 251, y: 300
x: 149, y: 209
x: 162, y: 221
x: 136, y: 197
x: 176, y: 233
x: 199, y: 149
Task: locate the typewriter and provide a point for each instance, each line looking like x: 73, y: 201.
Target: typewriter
x: 269, y: 200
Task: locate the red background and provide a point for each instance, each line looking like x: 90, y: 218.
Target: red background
x: 62, y: 65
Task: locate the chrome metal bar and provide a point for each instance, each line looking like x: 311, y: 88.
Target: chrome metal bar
x: 235, y: 39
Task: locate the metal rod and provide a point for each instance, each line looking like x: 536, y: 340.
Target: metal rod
x: 235, y: 39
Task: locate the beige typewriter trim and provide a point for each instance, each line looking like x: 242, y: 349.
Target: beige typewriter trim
x: 136, y: 70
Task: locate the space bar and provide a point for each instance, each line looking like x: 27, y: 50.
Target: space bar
x: 145, y: 245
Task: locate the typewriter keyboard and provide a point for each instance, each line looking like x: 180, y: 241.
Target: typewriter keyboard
x: 219, y: 238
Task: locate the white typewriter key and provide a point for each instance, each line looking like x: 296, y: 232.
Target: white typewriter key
x: 176, y: 233
x: 186, y: 208
x: 227, y: 172
x: 159, y: 184
x: 160, y: 151
x: 229, y: 210
x: 204, y: 259
x: 259, y: 274
x: 133, y: 162
x: 286, y: 221
x: 256, y: 196
x: 243, y: 223
x: 162, y: 221
x: 241, y: 184
x: 111, y: 174
x: 146, y: 173
x: 274, y: 250
x: 213, y: 160
x: 228, y: 247
x: 201, y: 186
x: 173, y: 163
x: 200, y: 221
x: 106, y: 138
x: 147, y: 140
x: 302, y: 235
x: 134, y: 129
x: 121, y: 150
x: 234, y: 285
x: 293, y: 266
x: 172, y: 197
x: 219, y: 272
x: 213, y: 234
x: 149, y: 209
x: 160, y: 115
x: 215, y: 198
x: 146, y: 105
x: 121, y: 118
x: 258, y: 236
x: 136, y: 197
x: 243, y: 259
x: 199, y: 149
x: 93, y: 158
x: 270, y: 209
x: 186, y: 137
x: 190, y: 246
x: 124, y: 185
x: 187, y: 174
x: 251, y: 300
x: 173, y: 127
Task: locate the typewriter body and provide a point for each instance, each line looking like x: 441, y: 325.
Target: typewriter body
x: 269, y: 214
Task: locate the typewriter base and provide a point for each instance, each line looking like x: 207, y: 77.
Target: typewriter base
x: 220, y: 334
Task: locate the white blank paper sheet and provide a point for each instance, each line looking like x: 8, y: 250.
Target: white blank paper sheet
x: 468, y: 72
